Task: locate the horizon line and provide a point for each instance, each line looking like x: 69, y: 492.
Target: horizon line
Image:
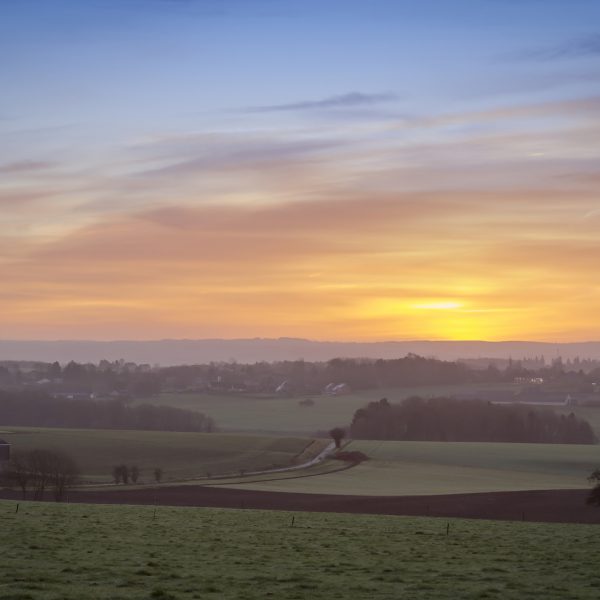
x: 295, y: 339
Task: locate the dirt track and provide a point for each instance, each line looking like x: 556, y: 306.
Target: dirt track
x: 564, y: 506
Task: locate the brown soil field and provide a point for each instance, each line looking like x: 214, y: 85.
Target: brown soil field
x: 560, y: 506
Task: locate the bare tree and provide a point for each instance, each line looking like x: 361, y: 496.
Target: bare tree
x: 63, y: 475
x: 134, y: 472
x: 16, y: 472
x: 158, y: 473
x: 116, y: 473
x: 337, y: 434
x: 594, y: 497
x: 42, y: 469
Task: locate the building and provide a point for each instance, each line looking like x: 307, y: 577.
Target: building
x: 336, y: 389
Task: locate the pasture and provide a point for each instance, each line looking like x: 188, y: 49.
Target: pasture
x: 179, y: 455
x: 274, y: 414
x: 419, y: 468
x: 69, y: 551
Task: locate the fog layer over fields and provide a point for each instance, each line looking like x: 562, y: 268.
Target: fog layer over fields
x: 175, y: 352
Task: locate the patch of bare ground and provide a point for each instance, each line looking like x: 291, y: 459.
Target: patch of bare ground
x: 561, y: 506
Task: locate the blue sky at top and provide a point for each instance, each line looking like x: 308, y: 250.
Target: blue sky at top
x: 167, y: 63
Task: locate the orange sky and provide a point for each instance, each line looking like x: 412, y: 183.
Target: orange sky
x: 510, y: 264
x: 471, y: 214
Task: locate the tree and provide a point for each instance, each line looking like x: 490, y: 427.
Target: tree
x: 124, y: 473
x: 116, y: 473
x: 594, y: 497
x: 337, y: 434
x: 134, y: 472
x: 64, y: 473
x: 54, y: 370
x: 16, y: 472
x: 158, y: 473
x: 42, y: 469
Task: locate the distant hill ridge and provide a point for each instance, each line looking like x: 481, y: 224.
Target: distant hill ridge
x: 176, y: 352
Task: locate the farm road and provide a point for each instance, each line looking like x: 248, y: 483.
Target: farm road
x: 325, y: 453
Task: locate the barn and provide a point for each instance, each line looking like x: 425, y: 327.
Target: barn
x: 4, y: 450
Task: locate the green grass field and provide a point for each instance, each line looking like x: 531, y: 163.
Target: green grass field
x: 70, y: 552
x: 415, y: 468
x: 394, y: 468
x: 264, y: 413
x: 180, y: 455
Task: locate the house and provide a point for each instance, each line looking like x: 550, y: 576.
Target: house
x: 336, y: 389
x: 4, y: 450
x: 529, y: 380
x: 72, y: 395
x: 285, y: 388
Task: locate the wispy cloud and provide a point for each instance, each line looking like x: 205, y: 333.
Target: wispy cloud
x: 564, y: 108
x: 221, y: 153
x: 584, y: 46
x: 592, y: 214
x: 26, y: 166
x: 19, y: 199
x: 349, y: 100
x: 498, y: 148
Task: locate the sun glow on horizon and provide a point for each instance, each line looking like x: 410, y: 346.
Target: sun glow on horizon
x: 439, y: 305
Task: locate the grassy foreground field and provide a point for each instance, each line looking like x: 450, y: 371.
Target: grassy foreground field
x: 180, y: 455
x: 418, y: 468
x: 68, y: 552
x: 270, y: 413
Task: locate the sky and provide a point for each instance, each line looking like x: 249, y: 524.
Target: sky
x: 339, y: 170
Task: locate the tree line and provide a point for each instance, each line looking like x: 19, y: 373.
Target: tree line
x: 129, y: 380
x: 40, y: 470
x: 123, y: 474
x: 36, y: 409
x: 451, y: 420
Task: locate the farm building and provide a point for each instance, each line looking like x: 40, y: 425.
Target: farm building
x: 336, y: 389
x: 4, y: 450
x: 285, y: 388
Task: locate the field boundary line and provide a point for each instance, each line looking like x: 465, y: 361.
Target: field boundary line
x: 345, y: 467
